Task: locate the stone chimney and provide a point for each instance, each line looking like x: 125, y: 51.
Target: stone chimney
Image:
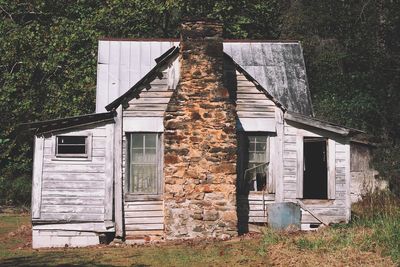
x: 200, y: 141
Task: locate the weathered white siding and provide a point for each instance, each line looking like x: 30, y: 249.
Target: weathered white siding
x: 62, y: 238
x: 75, y: 189
x: 254, y: 207
x: 152, y: 102
x: 363, y: 174
x: 251, y: 102
x: 337, y: 208
x: 145, y: 217
x: 257, y: 113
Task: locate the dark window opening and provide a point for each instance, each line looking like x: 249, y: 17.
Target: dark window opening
x: 71, y: 145
x: 315, y: 179
x: 255, y: 157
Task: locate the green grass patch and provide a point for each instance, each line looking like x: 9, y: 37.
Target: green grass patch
x: 11, y: 222
x: 374, y: 232
x: 270, y: 237
x: 380, y: 212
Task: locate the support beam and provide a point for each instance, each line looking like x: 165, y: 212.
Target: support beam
x: 109, y: 174
x: 37, y: 176
x: 118, y: 205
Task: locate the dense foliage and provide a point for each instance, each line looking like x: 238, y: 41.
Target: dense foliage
x: 48, y: 62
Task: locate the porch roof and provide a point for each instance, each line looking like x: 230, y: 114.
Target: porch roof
x: 41, y: 127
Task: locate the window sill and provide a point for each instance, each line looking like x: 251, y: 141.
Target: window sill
x: 260, y: 193
x: 317, y: 201
x: 77, y: 158
x: 130, y: 197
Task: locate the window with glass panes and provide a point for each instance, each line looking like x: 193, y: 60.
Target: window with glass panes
x: 144, y: 163
x: 70, y: 146
x: 258, y: 157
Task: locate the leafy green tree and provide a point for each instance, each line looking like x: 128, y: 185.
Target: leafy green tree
x: 48, y: 62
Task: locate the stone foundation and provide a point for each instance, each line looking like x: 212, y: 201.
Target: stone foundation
x: 200, y: 141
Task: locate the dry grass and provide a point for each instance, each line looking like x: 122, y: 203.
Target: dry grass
x: 370, y: 240
x: 283, y: 255
x: 327, y: 247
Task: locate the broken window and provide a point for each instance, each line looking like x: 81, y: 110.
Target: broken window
x: 315, y: 176
x: 144, y: 163
x: 71, y: 146
x: 254, y: 157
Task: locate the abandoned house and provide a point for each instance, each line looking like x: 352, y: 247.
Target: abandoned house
x: 195, y: 137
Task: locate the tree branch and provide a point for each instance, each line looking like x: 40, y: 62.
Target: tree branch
x: 9, y: 15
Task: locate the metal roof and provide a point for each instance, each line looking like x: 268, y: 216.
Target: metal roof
x: 321, y: 124
x: 41, y: 127
x: 277, y: 66
x: 141, y: 84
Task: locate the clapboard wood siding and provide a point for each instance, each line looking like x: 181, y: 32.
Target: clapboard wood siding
x: 154, y: 100
x: 331, y: 211
x: 255, y: 206
x: 251, y: 102
x: 75, y: 189
x: 143, y: 218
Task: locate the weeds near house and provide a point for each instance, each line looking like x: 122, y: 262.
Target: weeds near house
x: 270, y: 237
x: 371, y: 239
x: 374, y: 230
x: 381, y: 213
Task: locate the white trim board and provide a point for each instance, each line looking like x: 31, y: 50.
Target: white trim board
x: 143, y: 124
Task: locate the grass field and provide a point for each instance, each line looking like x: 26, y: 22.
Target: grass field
x: 370, y: 240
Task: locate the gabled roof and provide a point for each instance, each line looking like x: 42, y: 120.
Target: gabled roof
x: 41, y: 127
x: 278, y: 66
x: 145, y: 81
x: 320, y: 124
x: 254, y: 81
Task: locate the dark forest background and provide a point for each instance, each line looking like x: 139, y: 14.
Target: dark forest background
x: 48, y: 53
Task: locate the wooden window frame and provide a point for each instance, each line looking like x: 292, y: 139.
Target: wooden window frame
x: 74, y: 157
x: 331, y: 166
x: 242, y: 150
x: 129, y: 195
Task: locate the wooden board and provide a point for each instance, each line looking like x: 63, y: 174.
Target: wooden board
x: 143, y: 215
x: 37, y: 177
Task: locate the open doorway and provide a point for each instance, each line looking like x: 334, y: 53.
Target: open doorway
x: 315, y: 179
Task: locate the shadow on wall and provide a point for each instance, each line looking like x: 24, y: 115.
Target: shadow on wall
x: 243, y: 209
